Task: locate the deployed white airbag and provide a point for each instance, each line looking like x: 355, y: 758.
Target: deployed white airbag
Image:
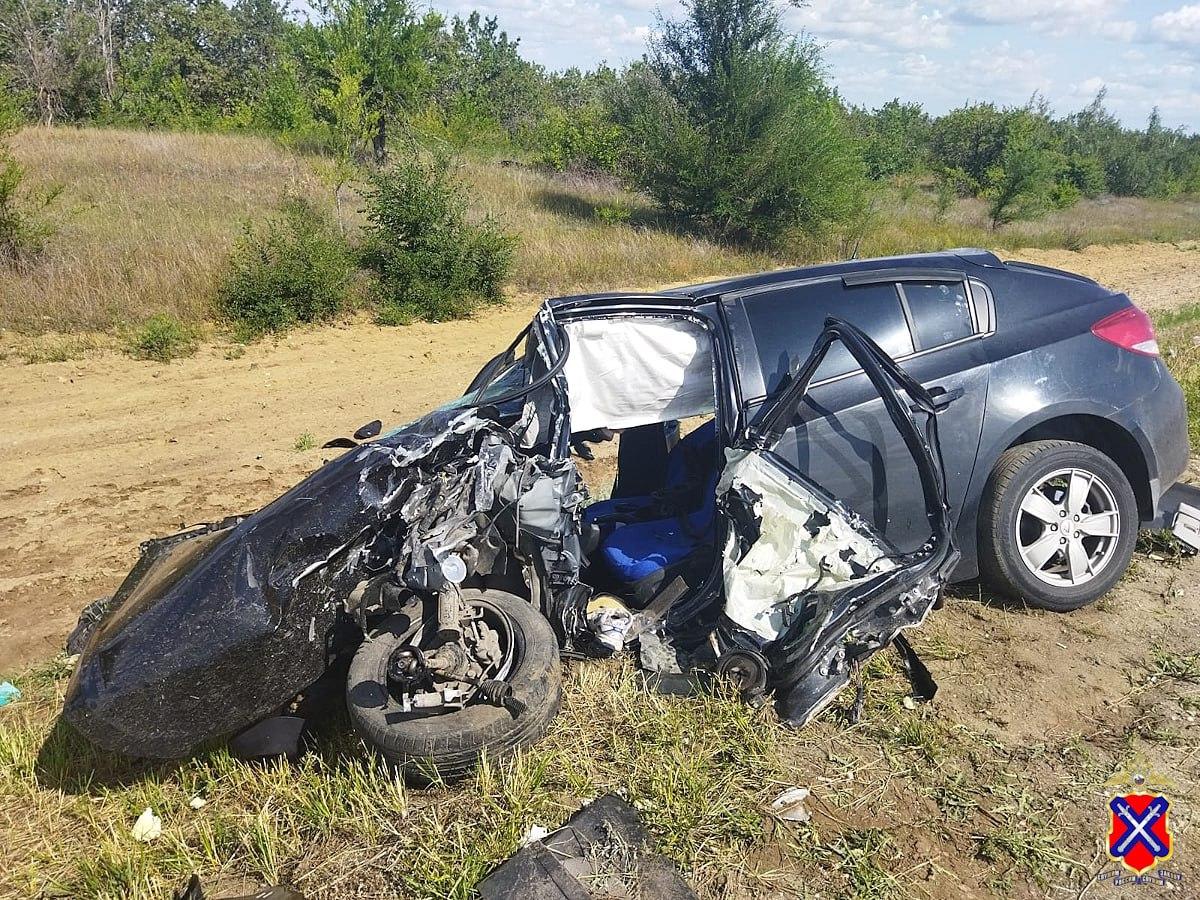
x: 625, y: 372
x: 787, y: 559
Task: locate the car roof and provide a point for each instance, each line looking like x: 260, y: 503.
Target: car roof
x: 962, y: 258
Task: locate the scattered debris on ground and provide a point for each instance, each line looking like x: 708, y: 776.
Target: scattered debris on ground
x: 600, y: 852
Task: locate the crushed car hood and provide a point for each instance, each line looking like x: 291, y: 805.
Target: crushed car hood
x: 221, y: 625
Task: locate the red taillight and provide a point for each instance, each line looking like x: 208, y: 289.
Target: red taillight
x: 1129, y: 329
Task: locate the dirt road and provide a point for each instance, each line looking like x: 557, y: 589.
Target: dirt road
x: 99, y: 453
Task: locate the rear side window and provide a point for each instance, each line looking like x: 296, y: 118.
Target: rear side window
x: 786, y: 322
x: 940, y: 311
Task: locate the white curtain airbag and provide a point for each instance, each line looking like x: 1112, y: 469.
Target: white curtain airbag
x: 625, y: 372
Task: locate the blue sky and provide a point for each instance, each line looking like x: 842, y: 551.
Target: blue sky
x: 1147, y: 52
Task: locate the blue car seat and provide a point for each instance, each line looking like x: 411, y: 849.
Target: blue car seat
x: 642, y: 539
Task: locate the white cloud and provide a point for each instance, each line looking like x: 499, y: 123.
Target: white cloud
x: 1179, y: 26
x: 562, y: 33
x: 1054, y: 17
x: 879, y: 23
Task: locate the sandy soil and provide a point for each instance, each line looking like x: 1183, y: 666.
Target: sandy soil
x: 99, y: 453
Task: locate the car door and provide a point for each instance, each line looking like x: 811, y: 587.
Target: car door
x: 931, y: 320
x: 814, y: 590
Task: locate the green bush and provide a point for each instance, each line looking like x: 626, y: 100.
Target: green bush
x: 970, y: 141
x: 1064, y: 195
x: 295, y: 268
x: 431, y: 261
x: 1086, y: 173
x: 162, y: 337
x: 732, y: 125
x: 895, y: 138
x: 1023, y: 184
x: 16, y: 239
x: 583, y: 138
x: 613, y: 214
x: 391, y: 314
x: 23, y: 232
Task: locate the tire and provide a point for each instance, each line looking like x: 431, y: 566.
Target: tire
x: 452, y: 743
x: 1081, y: 567
x: 1008, y: 533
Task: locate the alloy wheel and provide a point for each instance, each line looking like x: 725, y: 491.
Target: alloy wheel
x: 1067, y: 527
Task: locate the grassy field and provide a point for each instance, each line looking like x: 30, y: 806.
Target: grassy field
x: 145, y: 221
x: 901, y: 800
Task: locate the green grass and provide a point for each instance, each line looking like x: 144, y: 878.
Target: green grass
x: 162, y: 337
x: 899, y: 796
x: 1179, y: 337
x: 699, y: 769
x: 304, y: 442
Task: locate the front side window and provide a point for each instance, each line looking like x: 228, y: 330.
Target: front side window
x: 940, y: 311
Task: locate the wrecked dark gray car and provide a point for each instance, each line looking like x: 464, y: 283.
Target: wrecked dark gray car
x: 440, y: 571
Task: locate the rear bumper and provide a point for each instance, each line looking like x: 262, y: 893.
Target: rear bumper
x: 1179, y: 509
x: 1159, y: 421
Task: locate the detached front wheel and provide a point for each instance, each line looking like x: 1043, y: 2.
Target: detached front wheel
x: 434, y: 706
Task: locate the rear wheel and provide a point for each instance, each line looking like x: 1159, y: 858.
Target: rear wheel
x: 522, y: 693
x: 1058, y: 522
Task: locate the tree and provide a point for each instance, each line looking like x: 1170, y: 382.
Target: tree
x: 970, y: 141
x: 46, y: 53
x: 1022, y: 183
x: 733, y: 126
x: 479, y: 67
x: 896, y: 138
x: 189, y: 62
x: 390, y: 46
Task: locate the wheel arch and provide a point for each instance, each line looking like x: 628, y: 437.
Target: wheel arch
x: 1105, y: 435
x: 1100, y: 427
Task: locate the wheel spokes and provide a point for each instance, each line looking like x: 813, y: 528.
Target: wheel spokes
x: 1078, y: 489
x: 1078, y: 563
x: 1040, y: 551
x: 1068, y: 526
x: 1105, y: 524
x: 1037, y: 505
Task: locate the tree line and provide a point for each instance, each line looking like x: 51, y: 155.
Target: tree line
x: 728, y: 120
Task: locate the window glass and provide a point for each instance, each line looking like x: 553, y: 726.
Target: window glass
x: 785, y: 323
x: 940, y: 312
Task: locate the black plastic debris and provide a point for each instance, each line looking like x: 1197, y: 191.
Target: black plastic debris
x: 274, y: 737
x: 91, y: 616
x: 194, y: 891
x: 370, y: 430
x: 364, y: 433
x: 600, y: 852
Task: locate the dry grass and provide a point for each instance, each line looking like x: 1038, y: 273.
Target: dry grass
x: 144, y: 222
x: 907, y: 221
x: 146, y: 219
x: 564, y: 246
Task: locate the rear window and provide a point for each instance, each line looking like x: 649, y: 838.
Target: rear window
x: 786, y: 322
x: 940, y: 310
